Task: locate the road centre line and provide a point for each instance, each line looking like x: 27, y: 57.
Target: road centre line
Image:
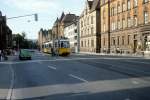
x: 76, y: 77
x: 54, y: 68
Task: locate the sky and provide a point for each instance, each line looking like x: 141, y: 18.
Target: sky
x: 48, y: 11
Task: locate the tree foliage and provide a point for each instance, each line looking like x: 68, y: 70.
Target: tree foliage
x: 21, y: 42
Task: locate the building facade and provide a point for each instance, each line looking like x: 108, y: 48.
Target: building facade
x: 125, y: 26
x: 61, y: 23
x: 90, y: 27
x: 5, y: 34
x: 43, y: 37
x: 71, y: 32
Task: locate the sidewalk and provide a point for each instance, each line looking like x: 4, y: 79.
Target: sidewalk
x: 10, y: 58
x: 113, y: 54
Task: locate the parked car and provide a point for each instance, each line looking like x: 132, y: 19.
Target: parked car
x: 24, y: 55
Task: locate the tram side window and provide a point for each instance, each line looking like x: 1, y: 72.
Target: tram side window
x: 62, y: 44
x: 50, y: 45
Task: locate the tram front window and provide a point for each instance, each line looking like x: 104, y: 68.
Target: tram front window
x: 65, y: 44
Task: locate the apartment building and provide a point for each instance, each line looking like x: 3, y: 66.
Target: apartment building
x: 125, y: 26
x: 90, y: 27
x: 60, y: 23
x: 71, y: 32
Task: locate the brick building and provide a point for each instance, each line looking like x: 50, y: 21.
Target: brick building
x: 125, y: 26
x: 90, y: 27
x: 5, y: 33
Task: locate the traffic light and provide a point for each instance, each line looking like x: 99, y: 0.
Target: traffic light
x: 36, y: 17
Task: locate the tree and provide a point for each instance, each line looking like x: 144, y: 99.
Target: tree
x: 22, y: 43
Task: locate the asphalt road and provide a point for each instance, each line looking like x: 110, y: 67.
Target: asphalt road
x: 77, y: 77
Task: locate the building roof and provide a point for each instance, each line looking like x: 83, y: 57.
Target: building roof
x: 56, y: 22
x: 73, y: 21
x: 62, y: 16
x: 95, y: 5
x: 90, y: 3
x: 69, y: 18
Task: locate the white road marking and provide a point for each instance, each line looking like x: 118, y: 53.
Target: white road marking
x: 135, y: 82
x: 127, y: 99
x: 52, y: 67
x: 76, y: 77
x: 11, y: 84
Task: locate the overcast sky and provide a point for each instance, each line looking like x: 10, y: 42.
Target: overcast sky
x: 48, y: 11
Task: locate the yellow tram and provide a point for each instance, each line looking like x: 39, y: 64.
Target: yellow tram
x: 60, y: 47
x: 47, y: 47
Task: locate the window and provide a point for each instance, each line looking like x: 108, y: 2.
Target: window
x: 123, y: 7
x: 75, y: 30
x: 104, y: 14
x: 113, y: 26
x: 135, y: 21
x: 115, y: 10
x: 135, y: 3
x: 119, y: 24
x: 145, y: 1
x: 81, y: 43
x: 145, y: 17
x: 119, y: 8
x: 92, y: 30
x: 91, y: 19
x: 92, y: 43
x: 104, y: 41
x: 129, y: 39
x: 88, y: 20
x: 128, y: 5
x: 113, y: 41
x: 122, y: 40
x: 118, y: 40
x: 88, y: 43
x: 129, y: 22
x: 81, y: 23
x: 123, y: 23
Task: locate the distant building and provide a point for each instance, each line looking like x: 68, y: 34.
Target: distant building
x: 90, y: 27
x: 125, y: 26
x: 71, y: 32
x: 5, y: 33
x: 43, y: 37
